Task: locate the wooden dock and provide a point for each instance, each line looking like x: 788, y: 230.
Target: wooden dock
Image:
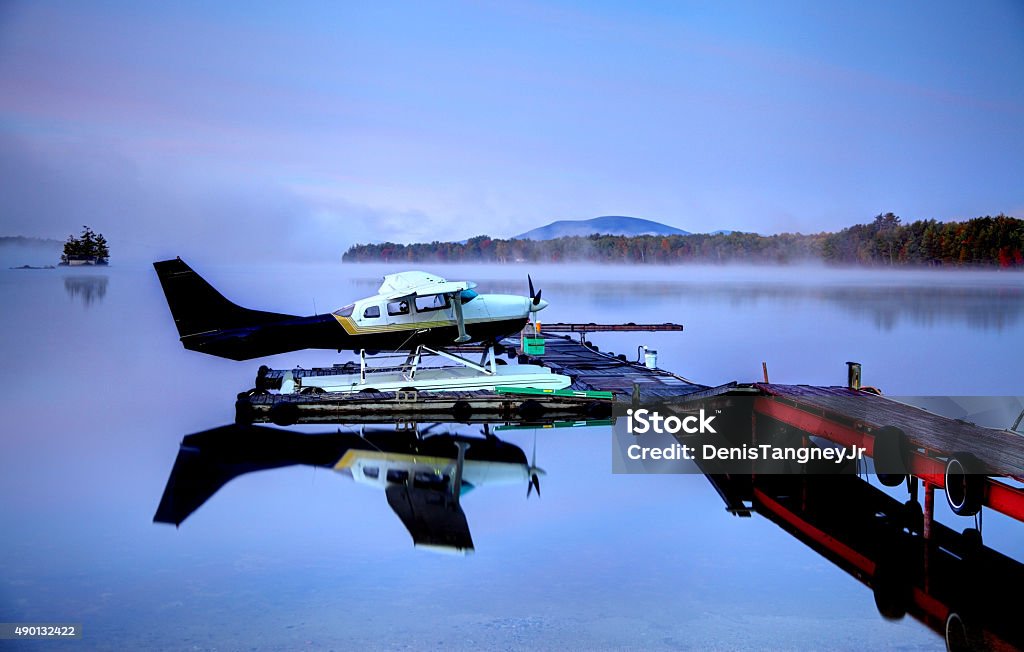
x: 932, y: 449
x: 1001, y: 452
x: 591, y: 327
x: 590, y: 369
x: 595, y: 370
x: 410, y: 406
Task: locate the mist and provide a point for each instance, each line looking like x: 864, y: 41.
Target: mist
x: 149, y: 211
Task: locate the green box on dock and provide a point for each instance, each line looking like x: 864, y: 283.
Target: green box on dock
x: 533, y: 345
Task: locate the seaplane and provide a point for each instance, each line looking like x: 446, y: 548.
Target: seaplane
x: 414, y: 312
x: 422, y: 475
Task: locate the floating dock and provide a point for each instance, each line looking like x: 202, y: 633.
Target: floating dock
x: 594, y: 370
x: 979, y: 467
x: 854, y: 417
x: 598, y: 379
x: 411, y: 407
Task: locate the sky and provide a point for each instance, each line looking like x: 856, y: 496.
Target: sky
x: 291, y: 131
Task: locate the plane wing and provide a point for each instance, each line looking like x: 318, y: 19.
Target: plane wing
x: 408, y: 284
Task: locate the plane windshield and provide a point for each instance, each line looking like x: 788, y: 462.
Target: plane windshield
x: 432, y: 302
x: 346, y: 311
x: 468, y: 295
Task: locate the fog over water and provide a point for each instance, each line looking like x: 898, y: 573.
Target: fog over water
x: 100, y: 394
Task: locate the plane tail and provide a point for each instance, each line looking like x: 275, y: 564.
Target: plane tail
x: 198, y: 308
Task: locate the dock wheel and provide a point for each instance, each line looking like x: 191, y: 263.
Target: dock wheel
x: 971, y: 542
x: 462, y: 410
x: 891, y: 454
x: 965, y: 484
x: 598, y: 410
x: 244, y: 414
x: 284, y: 414
x: 913, y: 516
x: 891, y: 583
x: 530, y: 410
x: 961, y: 634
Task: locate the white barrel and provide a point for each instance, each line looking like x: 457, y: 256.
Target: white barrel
x: 651, y: 358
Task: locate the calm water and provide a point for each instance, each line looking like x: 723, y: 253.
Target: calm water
x: 98, y: 395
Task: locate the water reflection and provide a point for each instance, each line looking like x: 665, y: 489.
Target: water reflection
x: 945, y: 581
x: 422, y: 474
x: 90, y: 289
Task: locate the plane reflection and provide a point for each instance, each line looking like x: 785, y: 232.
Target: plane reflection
x: 423, y: 475
x: 946, y: 581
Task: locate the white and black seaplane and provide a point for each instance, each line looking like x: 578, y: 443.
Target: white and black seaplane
x: 416, y: 313
x: 422, y: 475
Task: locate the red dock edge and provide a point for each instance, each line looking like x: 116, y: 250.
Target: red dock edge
x: 998, y: 496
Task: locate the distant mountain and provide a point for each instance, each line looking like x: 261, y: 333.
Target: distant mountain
x: 608, y: 224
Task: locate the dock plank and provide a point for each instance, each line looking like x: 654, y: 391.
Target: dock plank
x: 591, y: 369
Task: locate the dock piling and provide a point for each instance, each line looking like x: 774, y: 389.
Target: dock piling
x: 852, y: 375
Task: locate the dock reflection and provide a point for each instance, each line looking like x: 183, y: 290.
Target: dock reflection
x: 422, y: 474
x: 945, y: 581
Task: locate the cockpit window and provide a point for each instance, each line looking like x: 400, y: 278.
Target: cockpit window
x: 468, y: 295
x: 371, y: 472
x: 372, y: 312
x: 346, y: 311
x: 398, y: 308
x: 432, y: 302
x: 427, y: 480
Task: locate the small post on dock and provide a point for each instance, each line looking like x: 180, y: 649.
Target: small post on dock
x: 853, y: 375
x: 929, y: 509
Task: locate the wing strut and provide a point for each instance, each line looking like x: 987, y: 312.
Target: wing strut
x: 457, y: 300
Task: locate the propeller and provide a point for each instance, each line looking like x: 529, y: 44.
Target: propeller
x: 534, y: 471
x: 536, y: 304
x: 534, y: 296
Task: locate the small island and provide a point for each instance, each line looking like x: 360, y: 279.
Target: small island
x: 90, y: 248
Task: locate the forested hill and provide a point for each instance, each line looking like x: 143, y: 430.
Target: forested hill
x: 989, y: 241
x: 983, y: 241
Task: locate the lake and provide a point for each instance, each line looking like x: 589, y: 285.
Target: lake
x: 99, y: 394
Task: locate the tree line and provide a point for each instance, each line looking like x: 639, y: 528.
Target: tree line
x: 983, y: 241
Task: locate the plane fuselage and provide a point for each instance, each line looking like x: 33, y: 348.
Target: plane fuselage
x: 487, y: 317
